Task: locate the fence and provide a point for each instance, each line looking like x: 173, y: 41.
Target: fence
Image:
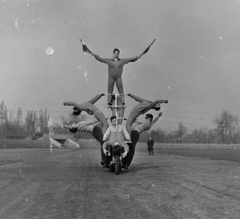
x: 189, y: 146
x: 14, y: 143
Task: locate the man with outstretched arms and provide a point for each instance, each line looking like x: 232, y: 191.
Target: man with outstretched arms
x: 115, y: 70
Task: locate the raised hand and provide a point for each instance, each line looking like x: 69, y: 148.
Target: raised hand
x: 105, y: 151
x: 124, y: 154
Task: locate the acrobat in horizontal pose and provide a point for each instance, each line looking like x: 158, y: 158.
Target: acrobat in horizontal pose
x: 135, y: 130
x: 82, y: 126
x: 91, y: 126
x: 91, y: 109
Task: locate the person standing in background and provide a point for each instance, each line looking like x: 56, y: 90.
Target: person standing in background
x: 150, y: 144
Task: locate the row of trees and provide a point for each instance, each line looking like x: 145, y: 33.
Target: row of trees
x: 17, y: 126
x: 227, y: 130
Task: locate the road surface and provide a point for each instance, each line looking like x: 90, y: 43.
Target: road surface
x: 70, y: 183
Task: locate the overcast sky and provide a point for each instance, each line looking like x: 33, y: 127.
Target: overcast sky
x: 194, y: 62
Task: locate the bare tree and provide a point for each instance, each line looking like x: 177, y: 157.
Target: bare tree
x: 200, y: 135
x: 30, y: 123
x: 226, y: 126
x: 181, y: 132
x: 3, y: 118
x: 43, y: 120
x: 19, y: 121
x: 10, y: 123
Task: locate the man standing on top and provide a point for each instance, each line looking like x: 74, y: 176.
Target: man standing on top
x: 150, y: 144
x: 115, y: 70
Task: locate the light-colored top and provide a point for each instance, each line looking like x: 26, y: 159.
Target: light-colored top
x: 144, y: 126
x: 87, y: 126
x: 118, y: 129
x: 115, y: 67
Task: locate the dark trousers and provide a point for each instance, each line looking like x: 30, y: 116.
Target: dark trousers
x: 150, y: 151
x: 135, y: 135
x: 119, y: 85
x: 98, y: 135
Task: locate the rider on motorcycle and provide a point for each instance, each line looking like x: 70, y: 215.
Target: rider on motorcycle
x: 116, y: 135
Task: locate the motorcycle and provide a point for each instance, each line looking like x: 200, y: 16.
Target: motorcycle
x: 115, y: 160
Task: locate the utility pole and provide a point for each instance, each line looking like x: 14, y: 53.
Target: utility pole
x: 50, y: 131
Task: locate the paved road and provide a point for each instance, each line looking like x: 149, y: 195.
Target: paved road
x: 70, y: 183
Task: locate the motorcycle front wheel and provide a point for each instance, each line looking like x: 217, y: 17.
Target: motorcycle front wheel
x: 117, y: 165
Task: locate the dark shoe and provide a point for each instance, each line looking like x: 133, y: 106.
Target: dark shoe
x: 102, y: 162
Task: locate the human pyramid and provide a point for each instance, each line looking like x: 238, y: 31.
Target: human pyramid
x: 116, y: 133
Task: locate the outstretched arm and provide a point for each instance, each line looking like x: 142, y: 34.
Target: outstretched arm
x: 126, y: 134
x: 107, y: 134
x: 156, y: 119
x: 95, y: 99
x: 100, y: 59
x: 134, y: 59
x: 139, y: 99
